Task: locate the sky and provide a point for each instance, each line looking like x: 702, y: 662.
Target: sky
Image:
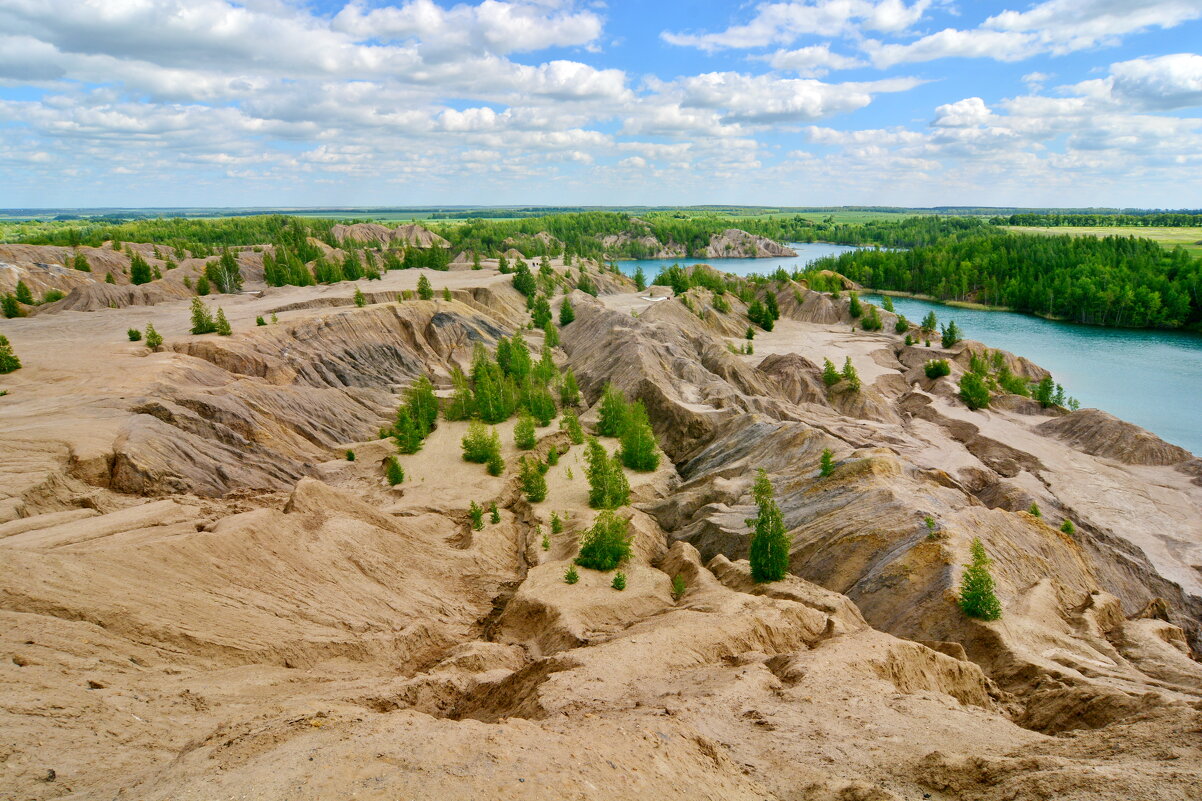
x: 139, y: 103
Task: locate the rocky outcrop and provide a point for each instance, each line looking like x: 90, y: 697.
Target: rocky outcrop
x: 407, y: 235
x: 733, y: 243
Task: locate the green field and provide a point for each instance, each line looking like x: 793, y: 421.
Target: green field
x: 1189, y: 238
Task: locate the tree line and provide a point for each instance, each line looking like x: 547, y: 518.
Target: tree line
x: 1149, y: 219
x: 1111, y: 281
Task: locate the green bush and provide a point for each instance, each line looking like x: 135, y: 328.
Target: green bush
x: 476, y: 513
x: 937, y: 368
x: 494, y: 516
x: 901, y: 325
x: 606, y: 544
x: 496, y: 464
x: 639, y: 451
x: 977, y: 596
x: 11, y: 307
x: 523, y: 433
x: 569, y: 392
x: 1033, y: 510
x: 359, y: 298
x: 556, y: 523
x: 850, y: 375
x: 1067, y: 527
x: 614, y: 410
x: 827, y: 464
x: 350, y: 456
x: 534, y: 484
x: 619, y: 582
x: 769, y: 548
x: 608, y: 487
x: 974, y: 392
x: 260, y: 321
x: 202, y: 318
x: 571, y: 577
x: 853, y: 305
x: 951, y: 334
x: 566, y: 313
x: 222, y: 325
x: 153, y: 338
x: 571, y: 424
x: 134, y: 335
x: 8, y: 359
x: 678, y: 587
x: 830, y: 374
x: 480, y: 443
x: 424, y: 290
x: 393, y: 472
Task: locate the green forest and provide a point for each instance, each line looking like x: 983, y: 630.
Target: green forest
x: 1113, y: 281
x: 1159, y: 219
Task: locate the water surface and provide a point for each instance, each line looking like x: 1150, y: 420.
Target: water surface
x: 1150, y: 378
x: 806, y: 252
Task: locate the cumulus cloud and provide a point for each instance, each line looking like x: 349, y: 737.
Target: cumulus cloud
x: 1163, y: 83
x: 813, y: 61
x: 785, y: 22
x: 1054, y: 26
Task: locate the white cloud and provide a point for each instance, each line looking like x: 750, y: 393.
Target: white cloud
x: 1167, y: 82
x: 962, y: 114
x: 1055, y: 26
x: 755, y: 99
x: 784, y: 22
x: 813, y: 61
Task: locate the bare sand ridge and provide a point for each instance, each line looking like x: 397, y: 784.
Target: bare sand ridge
x: 201, y: 598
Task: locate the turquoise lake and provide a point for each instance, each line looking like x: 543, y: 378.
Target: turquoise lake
x: 1150, y: 378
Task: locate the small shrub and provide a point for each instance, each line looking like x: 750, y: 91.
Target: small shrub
x: 850, y: 375
x: 556, y: 523
x: 545, y: 540
x: 929, y: 522
x: 393, y: 471
x: 494, y: 516
x: 974, y: 392
x: 571, y: 577
x: 134, y: 335
x: 476, y: 513
x: 1067, y: 527
x: 479, y: 443
x: 222, y: 325
x: 1033, y: 510
x: 496, y: 464
x: 154, y: 339
x: 350, y: 456
x: 523, y: 433
x: 937, y: 368
x: 678, y: 587
x: 827, y: 464
x: 977, y: 596
x: 553, y: 457
x: 359, y: 298
x: 260, y: 321
x: 769, y: 548
x: 570, y: 423
x: 534, y: 485
x: 951, y: 335
x: 606, y: 544
x: 619, y: 582
x: 8, y: 358
x: 830, y: 374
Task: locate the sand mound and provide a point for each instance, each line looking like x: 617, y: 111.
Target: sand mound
x: 1101, y: 434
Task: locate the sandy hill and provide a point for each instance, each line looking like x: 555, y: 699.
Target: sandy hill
x: 201, y: 597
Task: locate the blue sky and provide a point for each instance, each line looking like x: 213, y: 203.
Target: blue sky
x: 814, y: 102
